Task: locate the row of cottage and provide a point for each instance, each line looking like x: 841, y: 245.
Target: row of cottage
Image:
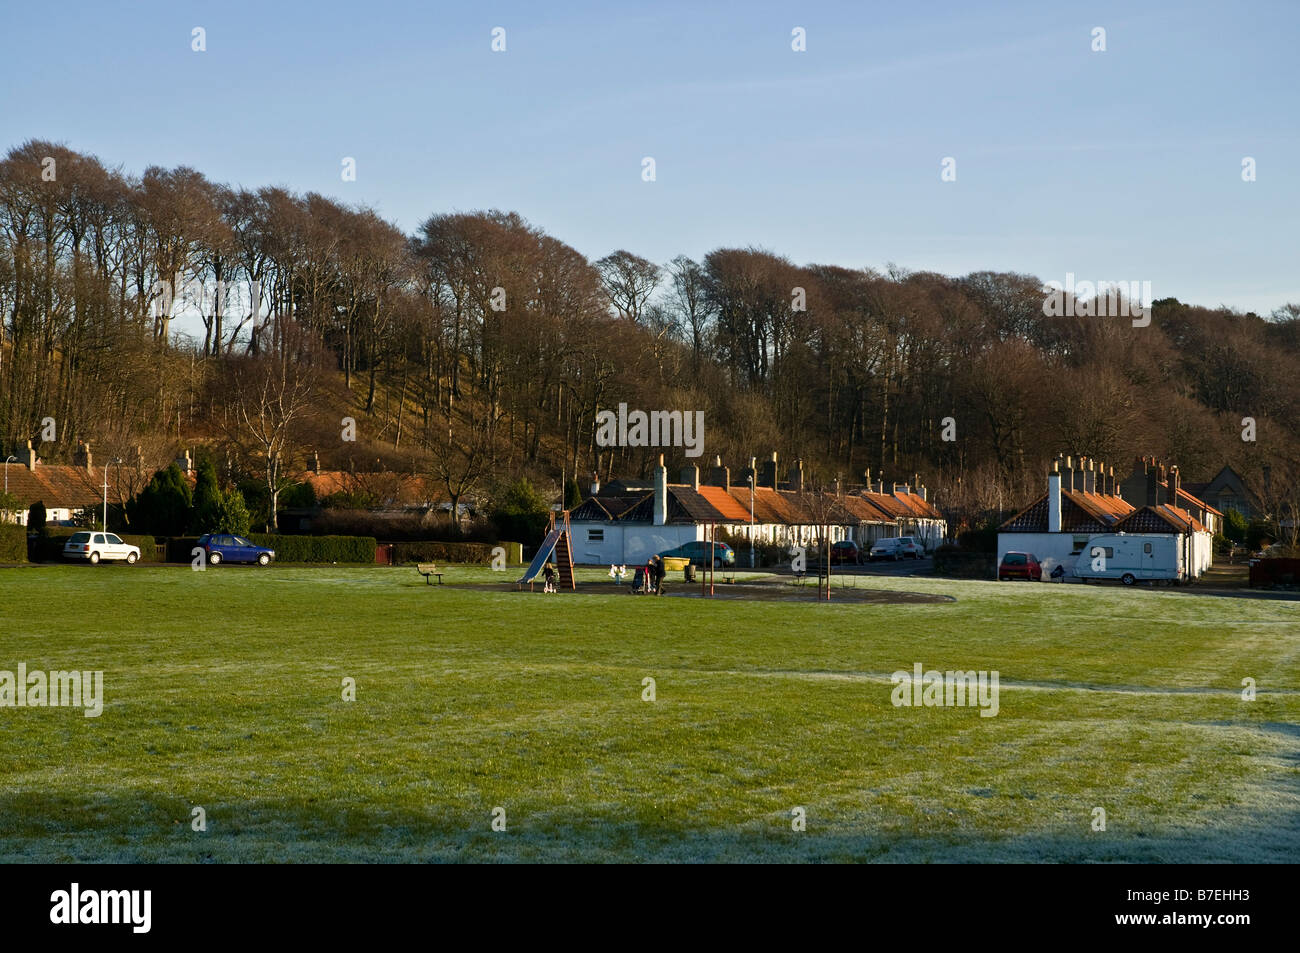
x: 1085, y: 500
x: 625, y: 522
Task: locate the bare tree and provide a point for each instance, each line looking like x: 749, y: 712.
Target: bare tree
x: 629, y: 280
x: 269, y: 399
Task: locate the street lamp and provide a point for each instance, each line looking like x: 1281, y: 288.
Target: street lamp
x: 106, y: 466
x: 15, y: 459
x: 751, y: 521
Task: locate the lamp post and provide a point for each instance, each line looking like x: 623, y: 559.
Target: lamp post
x: 13, y: 458
x: 106, y: 466
x: 751, y: 521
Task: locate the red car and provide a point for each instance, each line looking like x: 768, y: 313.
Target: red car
x: 1020, y: 566
x: 846, y: 551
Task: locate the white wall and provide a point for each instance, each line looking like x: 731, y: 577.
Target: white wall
x: 1051, y: 549
x: 52, y: 515
x: 627, y: 543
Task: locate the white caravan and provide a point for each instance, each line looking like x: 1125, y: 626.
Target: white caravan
x: 1131, y: 557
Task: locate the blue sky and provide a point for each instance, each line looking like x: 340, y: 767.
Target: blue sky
x: 1122, y: 165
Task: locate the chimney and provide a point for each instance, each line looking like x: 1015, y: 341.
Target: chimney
x: 1090, y: 477
x: 796, y: 476
x: 313, y: 462
x: 1162, y: 485
x: 1175, y: 482
x: 661, y: 493
x: 595, y: 482
x: 835, y: 484
x: 1067, y: 474
x: 900, y: 487
x: 185, y: 463
x: 920, y: 490
x: 1054, y: 499
x: 866, y: 479
x: 1152, y: 494
x: 769, y: 472
x: 28, y: 457
x: 691, y: 476
x: 718, y: 474
x: 749, y: 475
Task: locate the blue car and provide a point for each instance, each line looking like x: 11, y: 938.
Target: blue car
x: 699, y: 553
x: 226, y: 547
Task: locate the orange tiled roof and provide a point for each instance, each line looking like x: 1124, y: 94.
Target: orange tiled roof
x: 730, y: 508
x: 59, y: 487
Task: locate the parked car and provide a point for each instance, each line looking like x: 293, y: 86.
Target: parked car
x: 93, y: 547
x: 895, y: 548
x: 226, y: 547
x: 1020, y: 566
x: 846, y: 551
x: 698, y: 552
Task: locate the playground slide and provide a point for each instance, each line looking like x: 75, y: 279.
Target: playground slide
x: 543, y: 553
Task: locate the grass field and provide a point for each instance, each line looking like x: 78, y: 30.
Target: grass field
x: 223, y: 690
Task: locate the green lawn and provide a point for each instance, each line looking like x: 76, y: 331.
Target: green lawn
x: 223, y: 691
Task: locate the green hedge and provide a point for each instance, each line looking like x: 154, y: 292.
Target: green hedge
x: 180, y: 549
x: 964, y: 563
x: 291, y: 549
x: 432, y: 551
x: 13, y: 543
x: 317, y: 549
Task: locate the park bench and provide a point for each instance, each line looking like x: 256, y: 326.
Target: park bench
x: 429, y: 569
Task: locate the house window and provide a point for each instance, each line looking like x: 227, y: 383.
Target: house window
x: 1079, y: 543
x: 595, y: 535
x: 1146, y: 548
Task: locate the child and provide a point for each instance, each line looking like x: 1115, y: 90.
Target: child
x: 549, y: 573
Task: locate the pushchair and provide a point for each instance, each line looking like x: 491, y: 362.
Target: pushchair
x: 641, y: 582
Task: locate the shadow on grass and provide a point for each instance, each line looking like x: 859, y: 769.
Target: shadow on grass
x: 152, y: 830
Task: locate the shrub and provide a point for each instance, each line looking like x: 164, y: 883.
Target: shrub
x: 400, y: 527
x: 232, y: 514
x: 13, y: 543
x: 36, y: 518
x: 258, y: 500
x: 520, y: 512
x: 163, y: 507
x: 298, y: 496
x: 207, y: 500
x: 436, y: 551
x: 964, y: 563
x: 1235, y: 526
x: 180, y: 549
x: 318, y: 549
x: 572, y: 494
x: 982, y: 540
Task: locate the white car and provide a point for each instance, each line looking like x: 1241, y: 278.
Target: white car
x: 895, y: 548
x: 96, y: 546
